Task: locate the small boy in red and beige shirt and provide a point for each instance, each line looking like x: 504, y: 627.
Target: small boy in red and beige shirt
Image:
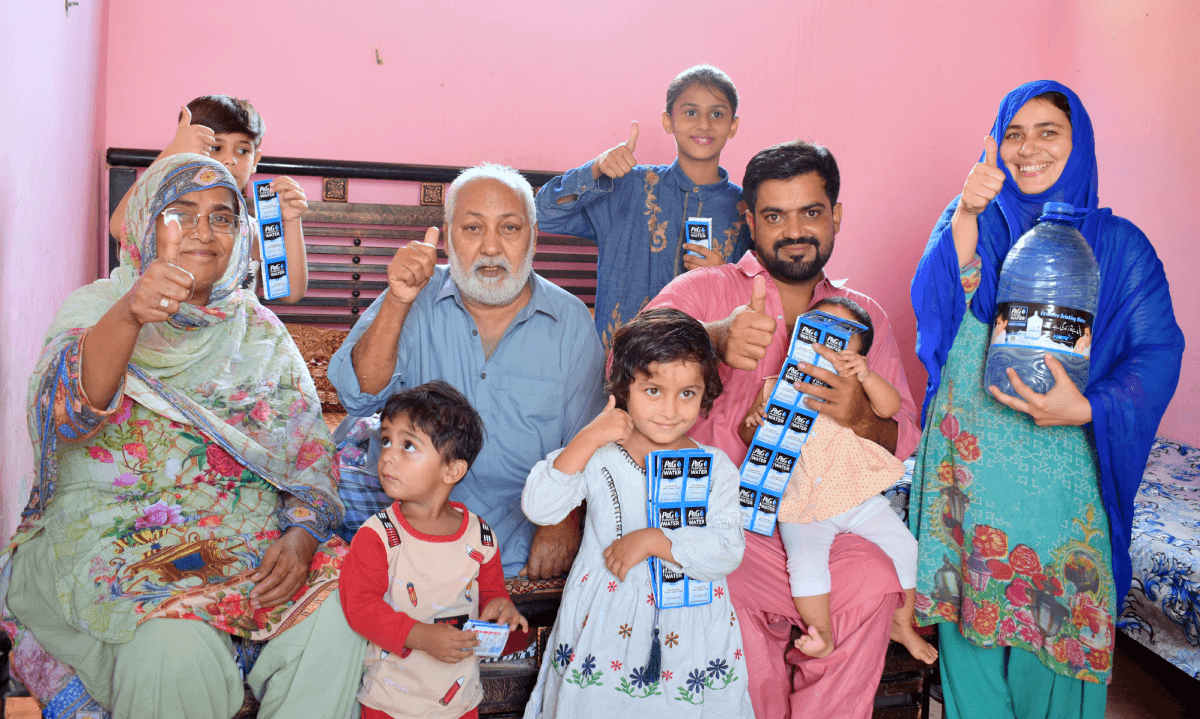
x: 421, y: 568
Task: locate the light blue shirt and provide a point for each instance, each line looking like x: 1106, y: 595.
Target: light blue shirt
x: 543, y: 383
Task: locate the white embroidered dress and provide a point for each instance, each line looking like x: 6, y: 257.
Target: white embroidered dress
x: 595, y: 663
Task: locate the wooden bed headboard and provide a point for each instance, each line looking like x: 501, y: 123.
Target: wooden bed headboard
x: 350, y: 244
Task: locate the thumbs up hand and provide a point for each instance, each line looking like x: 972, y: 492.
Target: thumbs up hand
x: 618, y: 161
x: 412, y: 267
x: 744, y: 336
x: 611, y: 425
x: 984, y: 182
x: 163, y: 286
x: 196, y: 139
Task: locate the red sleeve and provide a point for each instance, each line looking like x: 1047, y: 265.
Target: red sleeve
x: 362, y: 586
x: 491, y: 586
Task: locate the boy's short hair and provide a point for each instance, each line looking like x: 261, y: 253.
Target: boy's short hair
x: 443, y: 413
x: 662, y: 335
x: 860, y: 315
x: 224, y: 114
x: 787, y: 160
x: 708, y: 76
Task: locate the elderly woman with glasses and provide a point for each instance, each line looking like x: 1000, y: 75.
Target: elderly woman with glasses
x: 178, y: 539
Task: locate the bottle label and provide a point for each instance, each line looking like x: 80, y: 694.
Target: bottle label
x: 1043, y: 326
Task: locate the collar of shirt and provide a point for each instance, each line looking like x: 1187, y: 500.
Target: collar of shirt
x: 680, y: 179
x: 539, y: 298
x: 751, y: 267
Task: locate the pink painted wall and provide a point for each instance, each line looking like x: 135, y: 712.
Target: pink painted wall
x: 901, y: 92
x: 50, y: 77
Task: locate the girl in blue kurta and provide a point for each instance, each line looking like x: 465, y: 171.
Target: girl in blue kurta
x: 1023, y: 507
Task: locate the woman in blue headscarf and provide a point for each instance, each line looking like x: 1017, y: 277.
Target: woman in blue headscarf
x: 1023, y: 506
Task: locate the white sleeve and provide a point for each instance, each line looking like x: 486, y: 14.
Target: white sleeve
x: 550, y: 495
x: 711, y: 552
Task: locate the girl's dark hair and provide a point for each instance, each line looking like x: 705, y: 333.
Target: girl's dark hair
x: 440, y: 411
x: 662, y: 335
x: 860, y: 315
x: 1057, y: 99
x: 708, y: 76
x: 787, y: 160
x: 224, y: 114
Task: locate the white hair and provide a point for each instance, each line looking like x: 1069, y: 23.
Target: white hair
x: 500, y: 173
x: 494, y: 291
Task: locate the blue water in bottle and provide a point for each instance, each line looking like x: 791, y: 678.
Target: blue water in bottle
x: 1045, y: 301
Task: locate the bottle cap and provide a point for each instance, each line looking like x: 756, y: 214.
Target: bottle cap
x: 1061, y: 211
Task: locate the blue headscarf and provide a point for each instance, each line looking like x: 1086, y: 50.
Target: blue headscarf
x: 1137, y: 347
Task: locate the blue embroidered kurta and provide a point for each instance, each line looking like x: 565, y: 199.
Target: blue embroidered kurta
x: 637, y: 222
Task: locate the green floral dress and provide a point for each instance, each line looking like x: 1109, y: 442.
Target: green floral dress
x: 1014, y: 544
x: 151, y: 518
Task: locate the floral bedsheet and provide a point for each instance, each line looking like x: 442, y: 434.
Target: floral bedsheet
x: 1162, y: 609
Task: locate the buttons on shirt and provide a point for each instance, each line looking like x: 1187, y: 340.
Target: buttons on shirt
x: 483, y: 375
x: 474, y: 333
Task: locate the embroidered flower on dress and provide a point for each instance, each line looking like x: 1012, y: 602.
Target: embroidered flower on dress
x: 640, y: 677
x: 695, y: 680
x: 718, y: 668
x: 666, y: 676
x: 990, y: 542
x: 159, y: 514
x: 1024, y: 560
x: 261, y: 411
x: 616, y: 666
x: 101, y: 454
x: 309, y: 453
x: 967, y: 446
x: 136, y: 449
x: 949, y: 426
x: 588, y: 666
x: 612, y: 586
x: 625, y: 631
x: 671, y: 639
x: 563, y: 654
x: 221, y: 463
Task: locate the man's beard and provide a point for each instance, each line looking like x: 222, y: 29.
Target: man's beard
x: 794, y: 270
x: 495, y: 291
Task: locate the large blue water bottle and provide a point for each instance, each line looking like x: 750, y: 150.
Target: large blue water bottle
x: 1046, y: 301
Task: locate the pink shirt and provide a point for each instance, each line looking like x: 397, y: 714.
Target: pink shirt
x: 865, y: 589
x: 711, y: 293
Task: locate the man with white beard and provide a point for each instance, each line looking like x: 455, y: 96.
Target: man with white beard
x: 522, y: 350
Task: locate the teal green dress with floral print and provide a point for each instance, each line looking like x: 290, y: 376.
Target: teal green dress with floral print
x: 1014, y: 544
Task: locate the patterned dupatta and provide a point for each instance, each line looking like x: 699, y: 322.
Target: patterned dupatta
x: 229, y: 368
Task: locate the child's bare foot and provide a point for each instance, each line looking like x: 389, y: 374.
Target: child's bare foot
x: 815, y: 642
x: 916, y: 646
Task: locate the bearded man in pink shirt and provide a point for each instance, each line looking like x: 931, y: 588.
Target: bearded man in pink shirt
x: 750, y: 309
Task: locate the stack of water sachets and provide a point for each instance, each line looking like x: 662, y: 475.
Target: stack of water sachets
x: 677, y: 488
x: 776, y: 444
x: 270, y: 237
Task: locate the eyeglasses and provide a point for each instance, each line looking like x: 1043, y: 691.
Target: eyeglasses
x: 221, y: 223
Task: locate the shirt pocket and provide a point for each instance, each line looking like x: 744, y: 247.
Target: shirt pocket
x: 537, y: 401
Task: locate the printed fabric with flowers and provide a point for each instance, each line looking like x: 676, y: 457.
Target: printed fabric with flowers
x: 1013, y: 535
x: 154, y: 519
